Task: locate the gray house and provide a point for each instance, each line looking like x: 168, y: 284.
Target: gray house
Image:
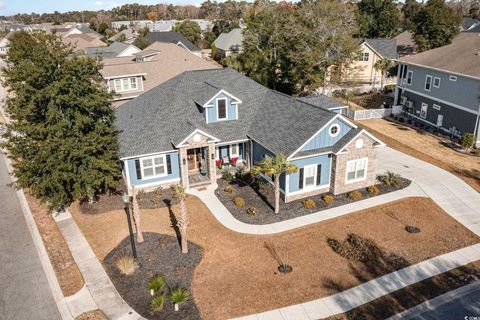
x: 229, y: 43
x: 440, y: 87
x: 180, y: 130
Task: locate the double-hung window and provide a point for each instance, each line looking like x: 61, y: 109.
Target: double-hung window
x: 154, y: 166
x: 436, y: 82
x: 234, y: 150
x: 356, y: 170
x: 423, y: 110
x: 125, y: 84
x: 428, y: 83
x: 409, y: 77
x: 309, y: 175
x: 364, y: 56
x: 222, y: 109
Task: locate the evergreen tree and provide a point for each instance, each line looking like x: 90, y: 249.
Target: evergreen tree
x: 190, y: 30
x: 436, y: 24
x: 378, y: 18
x: 409, y: 10
x: 61, y: 137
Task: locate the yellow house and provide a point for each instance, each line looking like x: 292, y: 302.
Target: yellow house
x: 362, y: 71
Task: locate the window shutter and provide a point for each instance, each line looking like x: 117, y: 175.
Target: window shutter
x: 228, y: 152
x: 138, y: 169
x: 300, y: 181
x: 319, y: 174
x: 169, y: 164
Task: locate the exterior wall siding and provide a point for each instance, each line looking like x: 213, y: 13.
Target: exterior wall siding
x: 463, y: 92
x: 223, y: 151
x: 324, y: 160
x: 452, y: 117
x: 211, y: 112
x: 132, y: 173
x: 323, y: 138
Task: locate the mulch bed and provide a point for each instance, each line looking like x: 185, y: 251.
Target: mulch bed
x: 158, y: 255
x: 415, y: 294
x: 264, y: 202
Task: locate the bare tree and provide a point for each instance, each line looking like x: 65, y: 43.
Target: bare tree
x: 182, y: 220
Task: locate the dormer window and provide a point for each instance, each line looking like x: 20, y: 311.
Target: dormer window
x: 222, y: 109
x: 126, y: 84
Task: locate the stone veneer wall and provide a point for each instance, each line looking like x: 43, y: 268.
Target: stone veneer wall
x: 339, y: 163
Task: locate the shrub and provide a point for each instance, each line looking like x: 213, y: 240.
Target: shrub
x: 157, y: 303
x: 179, y: 295
x: 354, y: 195
x: 467, y: 140
x: 240, y: 173
x: 157, y: 283
x: 356, y: 248
x: 328, y: 199
x: 252, y: 211
x: 229, y: 189
x: 227, y: 175
x: 391, y: 179
x: 476, y: 152
x: 126, y: 265
x: 373, y: 190
x: 309, y: 203
x: 239, y: 202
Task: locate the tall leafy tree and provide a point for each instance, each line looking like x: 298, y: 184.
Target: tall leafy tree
x: 378, y: 18
x: 190, y: 30
x: 61, y: 137
x: 290, y: 48
x: 436, y: 24
x: 409, y: 10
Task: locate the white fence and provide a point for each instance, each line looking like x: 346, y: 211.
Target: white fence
x: 371, y: 113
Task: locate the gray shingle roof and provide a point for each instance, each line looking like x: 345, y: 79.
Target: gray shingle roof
x: 230, y: 41
x: 346, y: 139
x: 165, y: 115
x: 469, y: 22
x: 322, y: 101
x: 387, y: 48
x: 110, y: 51
x: 171, y: 37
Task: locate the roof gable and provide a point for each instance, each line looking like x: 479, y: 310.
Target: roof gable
x: 222, y: 93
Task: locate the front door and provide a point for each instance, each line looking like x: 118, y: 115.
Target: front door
x: 194, y: 157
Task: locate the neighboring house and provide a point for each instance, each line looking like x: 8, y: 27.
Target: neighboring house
x: 82, y: 41
x: 440, y: 87
x: 324, y: 102
x: 475, y: 29
x: 469, y: 23
x: 114, y: 50
x: 5, y: 43
x: 405, y: 44
x: 371, y: 50
x: 175, y: 38
x: 228, y: 43
x: 131, y: 76
x: 160, y: 25
x: 128, y: 34
x: 176, y: 131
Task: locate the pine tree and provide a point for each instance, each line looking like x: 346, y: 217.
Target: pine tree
x: 378, y: 18
x: 61, y: 137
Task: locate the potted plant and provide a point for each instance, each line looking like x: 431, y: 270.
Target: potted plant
x: 218, y: 163
x: 233, y: 161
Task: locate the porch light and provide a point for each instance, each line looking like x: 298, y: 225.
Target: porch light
x: 184, y: 161
x: 125, y: 199
x: 212, y: 156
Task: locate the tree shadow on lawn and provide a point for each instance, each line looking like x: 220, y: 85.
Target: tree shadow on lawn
x: 173, y: 220
x: 367, y: 261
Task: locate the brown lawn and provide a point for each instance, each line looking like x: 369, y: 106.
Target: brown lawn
x: 426, y: 147
x: 237, y: 275
x: 69, y: 277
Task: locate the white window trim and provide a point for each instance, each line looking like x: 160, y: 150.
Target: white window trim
x: 439, y: 80
x: 124, y: 89
x: 403, y: 100
x: 411, y: 77
x: 356, y: 180
x: 217, y: 153
x: 426, y: 110
x: 362, y: 56
x: 436, y: 107
x: 238, y: 150
x: 452, y: 78
x: 330, y: 130
x: 431, y: 82
x: 226, y: 109
x: 164, y: 156
x: 305, y: 187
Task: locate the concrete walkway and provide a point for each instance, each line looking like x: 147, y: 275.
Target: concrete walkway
x: 99, y: 289
x: 457, y: 304
x: 449, y: 192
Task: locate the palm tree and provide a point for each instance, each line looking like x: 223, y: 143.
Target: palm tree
x: 136, y: 216
x: 182, y: 221
x: 274, y: 167
x: 383, y: 65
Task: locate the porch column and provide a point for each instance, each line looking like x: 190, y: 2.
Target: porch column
x: 212, y: 169
x: 247, y: 150
x: 184, y: 167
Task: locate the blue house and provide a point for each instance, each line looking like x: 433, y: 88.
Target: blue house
x: 177, y: 131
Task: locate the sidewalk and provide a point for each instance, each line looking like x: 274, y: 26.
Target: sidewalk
x: 99, y: 287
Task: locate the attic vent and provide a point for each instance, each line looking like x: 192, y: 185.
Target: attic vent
x: 477, y: 53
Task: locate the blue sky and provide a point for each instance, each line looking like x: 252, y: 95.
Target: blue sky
x: 9, y: 7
